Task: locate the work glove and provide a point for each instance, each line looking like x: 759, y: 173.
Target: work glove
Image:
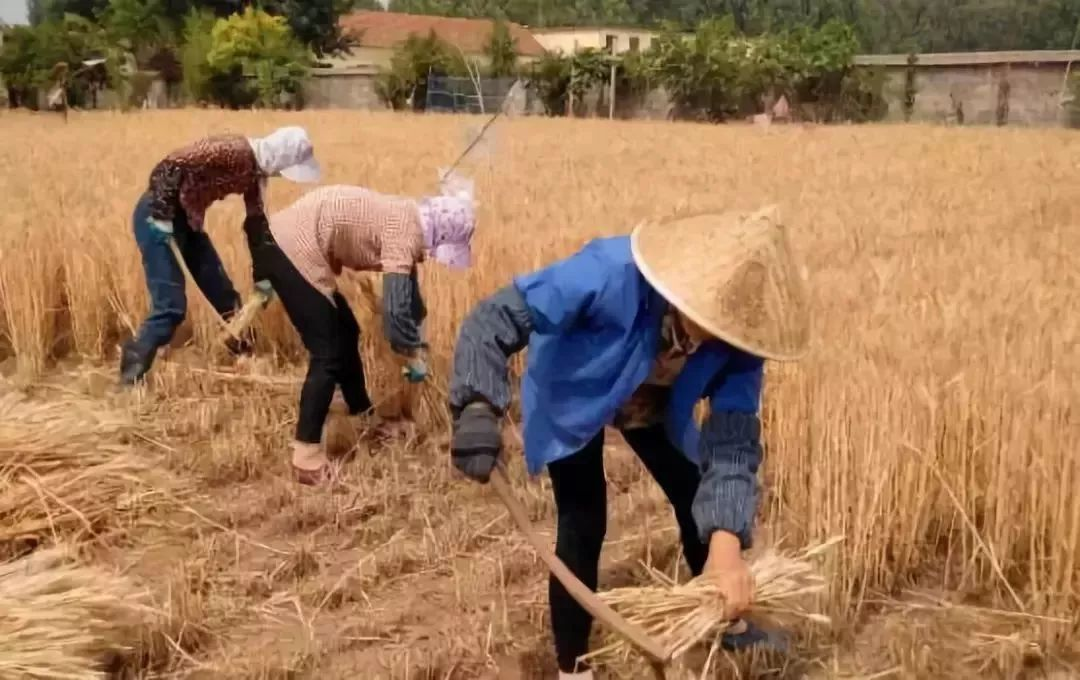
x: 264, y: 289
x: 476, y: 442
x: 415, y: 371
x: 163, y: 226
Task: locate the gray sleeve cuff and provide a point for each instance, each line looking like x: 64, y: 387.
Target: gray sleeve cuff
x: 403, y: 311
x: 496, y: 329
x: 727, y: 497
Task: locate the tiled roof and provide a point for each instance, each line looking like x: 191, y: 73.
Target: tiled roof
x: 471, y: 36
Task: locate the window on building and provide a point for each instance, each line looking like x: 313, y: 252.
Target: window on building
x: 609, y: 43
x: 635, y: 44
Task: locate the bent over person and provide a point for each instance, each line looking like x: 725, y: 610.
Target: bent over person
x: 632, y: 332
x: 182, y: 187
x: 302, y: 251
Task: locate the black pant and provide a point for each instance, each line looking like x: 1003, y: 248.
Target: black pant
x: 329, y: 332
x: 581, y: 505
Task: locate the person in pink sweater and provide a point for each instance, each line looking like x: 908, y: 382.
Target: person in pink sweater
x: 302, y: 249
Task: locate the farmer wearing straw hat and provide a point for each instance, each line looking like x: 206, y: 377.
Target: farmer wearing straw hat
x: 182, y: 187
x: 632, y: 332
x: 304, y: 248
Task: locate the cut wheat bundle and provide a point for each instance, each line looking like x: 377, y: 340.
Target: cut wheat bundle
x: 423, y: 403
x: 62, y: 621
x: 46, y: 436
x: 681, y: 616
x: 78, y: 503
x: 65, y: 473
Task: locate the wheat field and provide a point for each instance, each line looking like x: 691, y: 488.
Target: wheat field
x: 933, y: 424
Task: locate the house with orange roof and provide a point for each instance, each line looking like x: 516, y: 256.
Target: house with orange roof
x: 377, y: 34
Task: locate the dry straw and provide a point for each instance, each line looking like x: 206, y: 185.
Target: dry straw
x: 681, y: 616
x: 66, y: 473
x: 62, y: 621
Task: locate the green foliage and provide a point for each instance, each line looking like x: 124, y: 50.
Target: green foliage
x: 551, y: 78
x: 700, y: 72
x: 313, y: 22
x: 142, y: 23
x: 716, y: 73
x: 31, y: 53
x: 262, y: 47
x: 409, y: 68
x: 46, y: 11
x: 501, y: 51
x: 198, y: 77
x: 588, y: 68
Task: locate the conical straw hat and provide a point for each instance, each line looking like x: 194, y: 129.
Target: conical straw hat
x: 734, y: 275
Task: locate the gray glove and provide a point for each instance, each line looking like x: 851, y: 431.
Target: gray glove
x: 477, y: 441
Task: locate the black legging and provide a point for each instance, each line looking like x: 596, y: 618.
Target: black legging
x: 329, y: 332
x: 581, y: 505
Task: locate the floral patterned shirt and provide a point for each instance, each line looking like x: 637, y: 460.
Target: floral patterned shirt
x: 646, y: 405
x: 190, y: 179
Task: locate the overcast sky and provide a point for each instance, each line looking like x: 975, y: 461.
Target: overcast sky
x: 13, y: 11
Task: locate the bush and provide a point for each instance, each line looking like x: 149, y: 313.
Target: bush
x: 716, y: 74
x: 409, y: 68
x: 197, y: 74
x: 551, y: 79
x: 257, y: 46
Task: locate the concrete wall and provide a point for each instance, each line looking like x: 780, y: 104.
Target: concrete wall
x: 342, y: 90
x: 1032, y: 93
x: 362, y: 56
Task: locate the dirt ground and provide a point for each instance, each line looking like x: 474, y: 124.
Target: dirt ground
x: 406, y: 571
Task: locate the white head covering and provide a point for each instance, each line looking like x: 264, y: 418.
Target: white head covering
x: 287, y: 151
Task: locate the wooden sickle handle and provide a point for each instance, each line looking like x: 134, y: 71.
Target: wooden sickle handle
x: 578, y: 590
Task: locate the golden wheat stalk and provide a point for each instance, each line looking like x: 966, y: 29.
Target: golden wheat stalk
x: 65, y: 471
x: 46, y: 436
x: 681, y: 616
x: 61, y: 621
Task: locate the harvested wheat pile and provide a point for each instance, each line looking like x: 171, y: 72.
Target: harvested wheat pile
x: 681, y: 616
x: 65, y: 473
x: 61, y: 621
x: 43, y: 437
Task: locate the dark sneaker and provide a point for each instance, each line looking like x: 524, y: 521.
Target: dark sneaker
x: 755, y: 638
x: 135, y: 362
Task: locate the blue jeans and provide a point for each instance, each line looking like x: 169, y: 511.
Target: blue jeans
x: 165, y: 278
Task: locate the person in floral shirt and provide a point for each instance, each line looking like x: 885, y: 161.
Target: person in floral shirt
x: 182, y: 186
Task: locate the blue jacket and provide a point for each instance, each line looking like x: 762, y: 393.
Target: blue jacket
x: 596, y: 333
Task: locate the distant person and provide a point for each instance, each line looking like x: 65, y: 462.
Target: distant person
x: 631, y: 332
x: 302, y: 251
x: 182, y: 187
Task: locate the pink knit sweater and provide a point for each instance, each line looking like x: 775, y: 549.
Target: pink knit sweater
x: 347, y: 226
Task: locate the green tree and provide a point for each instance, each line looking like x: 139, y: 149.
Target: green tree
x: 31, y: 53
x: 409, y: 67
x: 313, y: 22
x: 260, y: 46
x: 501, y: 51
x: 198, y: 77
x: 551, y: 78
x: 42, y: 11
x: 698, y: 72
x: 142, y: 23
